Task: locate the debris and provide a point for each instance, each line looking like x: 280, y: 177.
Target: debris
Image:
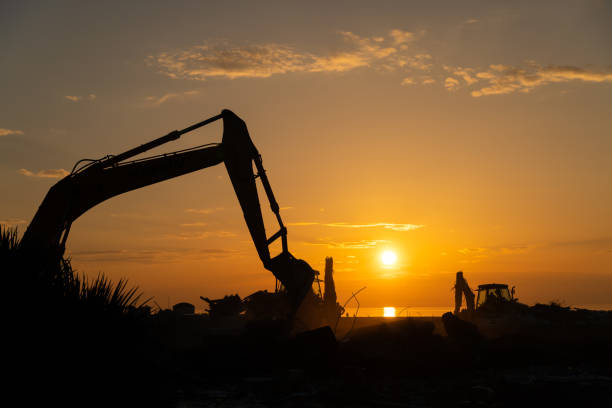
x: 264, y: 305
x: 463, y: 332
x: 183, y: 308
x: 228, y: 306
x: 353, y: 295
x: 316, y: 346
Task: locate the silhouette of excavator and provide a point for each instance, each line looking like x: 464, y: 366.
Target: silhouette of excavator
x: 491, y: 296
x: 94, y: 181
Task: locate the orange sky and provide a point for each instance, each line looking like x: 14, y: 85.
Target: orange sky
x: 471, y: 136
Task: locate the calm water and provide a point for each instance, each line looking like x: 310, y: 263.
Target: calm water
x: 428, y: 311
x: 417, y: 311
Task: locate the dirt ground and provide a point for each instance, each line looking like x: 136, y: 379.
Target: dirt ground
x: 409, y: 362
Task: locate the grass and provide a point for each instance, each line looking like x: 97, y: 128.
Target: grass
x: 94, y: 331
x: 56, y: 277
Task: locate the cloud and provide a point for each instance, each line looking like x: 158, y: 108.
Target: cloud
x: 451, y: 83
x: 203, y: 210
x: 473, y: 251
x: 6, y: 132
x: 359, y: 52
x: 484, y: 252
x: 12, y: 221
x: 428, y: 81
x: 137, y: 216
x: 201, y: 235
x: 596, y: 243
x: 407, y: 81
x: 394, y: 227
x: 470, y: 21
x: 506, y: 79
x: 420, y: 61
x: 363, y: 244
x: 194, y: 224
x: 49, y: 173
x: 385, y: 225
x: 301, y: 224
x: 401, y: 37
x: 221, y: 59
x: 224, y: 60
x: 157, y: 101
x: 466, y: 74
x: 150, y: 255
x: 75, y: 98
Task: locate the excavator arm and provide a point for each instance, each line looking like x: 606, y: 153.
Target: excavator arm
x: 99, y: 180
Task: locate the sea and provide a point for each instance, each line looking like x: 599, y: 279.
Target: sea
x: 432, y: 311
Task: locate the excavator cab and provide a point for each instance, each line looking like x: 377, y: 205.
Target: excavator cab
x: 495, y: 292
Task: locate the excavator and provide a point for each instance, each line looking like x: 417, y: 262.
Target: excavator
x: 490, y: 295
x: 93, y: 181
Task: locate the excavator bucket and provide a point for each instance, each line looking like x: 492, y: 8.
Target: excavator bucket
x: 295, y: 275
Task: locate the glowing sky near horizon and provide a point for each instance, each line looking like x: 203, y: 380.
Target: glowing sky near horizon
x: 471, y: 135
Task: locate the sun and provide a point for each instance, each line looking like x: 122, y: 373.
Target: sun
x: 388, y: 312
x: 388, y: 258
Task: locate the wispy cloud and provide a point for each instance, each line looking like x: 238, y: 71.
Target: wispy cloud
x: 150, y: 255
x: 12, y: 221
x: 6, y: 132
x: 194, y: 224
x: 474, y: 254
x: 478, y: 252
x: 396, y: 51
x: 503, y: 79
x: 514, y: 249
x: 596, y: 243
x: 157, y: 101
x: 451, y: 83
x: 500, y: 79
x: 385, y: 225
x: 75, y: 98
x: 467, y: 74
x: 201, y: 235
x: 428, y: 81
x: 401, y: 37
x: 363, y: 244
x: 49, y: 173
x: 203, y: 210
x: 222, y: 59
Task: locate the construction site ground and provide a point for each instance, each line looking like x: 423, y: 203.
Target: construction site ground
x: 408, y: 362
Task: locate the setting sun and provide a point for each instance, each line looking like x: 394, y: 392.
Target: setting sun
x: 388, y: 311
x: 388, y: 258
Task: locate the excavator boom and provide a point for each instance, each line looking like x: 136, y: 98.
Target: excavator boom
x: 110, y: 176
